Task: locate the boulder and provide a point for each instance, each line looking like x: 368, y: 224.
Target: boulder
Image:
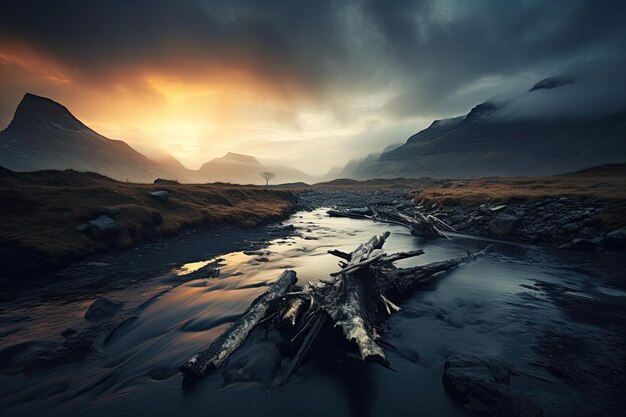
x: 503, y: 224
x: 165, y: 181
x: 102, y: 227
x: 68, y: 332
x: 82, y: 228
x: 103, y: 307
x: 482, y: 385
x: 114, y: 211
x: 161, y: 196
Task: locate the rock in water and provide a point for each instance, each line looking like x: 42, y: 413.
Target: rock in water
x: 161, y: 196
x: 503, y: 224
x: 102, y: 227
x: 102, y: 308
x: 482, y: 385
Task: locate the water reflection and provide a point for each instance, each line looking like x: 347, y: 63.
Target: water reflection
x: 495, y: 306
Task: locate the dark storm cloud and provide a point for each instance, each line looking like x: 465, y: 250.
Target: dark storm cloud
x: 434, y: 57
x: 99, y: 38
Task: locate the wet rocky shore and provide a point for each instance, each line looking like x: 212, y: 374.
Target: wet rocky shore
x: 563, y: 222
x: 570, y: 222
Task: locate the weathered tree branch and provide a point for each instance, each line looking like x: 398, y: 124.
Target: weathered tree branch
x: 357, y: 298
x: 419, y: 225
x: 340, y: 254
x: 294, y: 310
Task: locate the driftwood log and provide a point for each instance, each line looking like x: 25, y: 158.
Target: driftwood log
x: 357, y: 299
x: 233, y: 337
x: 418, y: 223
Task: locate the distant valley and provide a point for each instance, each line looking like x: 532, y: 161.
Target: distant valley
x: 45, y: 135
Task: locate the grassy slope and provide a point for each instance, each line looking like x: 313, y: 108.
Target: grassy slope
x: 39, y: 210
x: 603, y: 183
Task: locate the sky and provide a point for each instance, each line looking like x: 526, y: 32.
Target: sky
x: 309, y: 84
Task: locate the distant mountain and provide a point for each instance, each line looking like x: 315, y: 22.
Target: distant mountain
x: 245, y: 169
x: 45, y: 135
x: 171, y: 162
x: 489, y: 142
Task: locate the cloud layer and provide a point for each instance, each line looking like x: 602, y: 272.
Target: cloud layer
x: 277, y: 70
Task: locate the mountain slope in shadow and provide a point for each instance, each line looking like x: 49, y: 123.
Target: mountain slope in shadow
x: 489, y: 141
x: 45, y: 135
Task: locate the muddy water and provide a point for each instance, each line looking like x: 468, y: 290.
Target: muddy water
x: 557, y: 317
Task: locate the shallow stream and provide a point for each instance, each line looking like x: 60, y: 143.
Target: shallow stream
x: 557, y: 317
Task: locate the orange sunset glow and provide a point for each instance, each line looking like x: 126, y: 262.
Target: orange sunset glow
x: 336, y: 208
x: 192, y: 109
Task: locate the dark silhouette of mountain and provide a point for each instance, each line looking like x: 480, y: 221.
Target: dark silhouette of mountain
x: 44, y: 135
x: 489, y: 142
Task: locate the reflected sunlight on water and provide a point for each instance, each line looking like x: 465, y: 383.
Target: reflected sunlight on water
x: 483, y: 308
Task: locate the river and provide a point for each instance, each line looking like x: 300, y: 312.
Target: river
x: 557, y: 317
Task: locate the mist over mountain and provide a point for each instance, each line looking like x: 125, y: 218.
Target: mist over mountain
x: 524, y: 135
x: 46, y: 135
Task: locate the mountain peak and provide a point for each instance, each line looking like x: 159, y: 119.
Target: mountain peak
x: 35, y: 110
x: 237, y: 157
x: 480, y: 111
x: 453, y: 121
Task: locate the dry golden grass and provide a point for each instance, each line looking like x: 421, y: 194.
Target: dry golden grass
x: 605, y: 182
x: 39, y: 210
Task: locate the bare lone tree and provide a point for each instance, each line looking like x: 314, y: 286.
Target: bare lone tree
x: 267, y: 176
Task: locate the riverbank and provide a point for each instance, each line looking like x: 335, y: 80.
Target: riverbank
x: 52, y: 218
x: 583, y: 211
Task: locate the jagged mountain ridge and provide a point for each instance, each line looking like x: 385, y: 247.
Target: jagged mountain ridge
x: 46, y: 135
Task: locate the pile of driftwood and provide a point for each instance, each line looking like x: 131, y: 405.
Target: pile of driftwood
x: 357, y: 298
x: 418, y: 223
